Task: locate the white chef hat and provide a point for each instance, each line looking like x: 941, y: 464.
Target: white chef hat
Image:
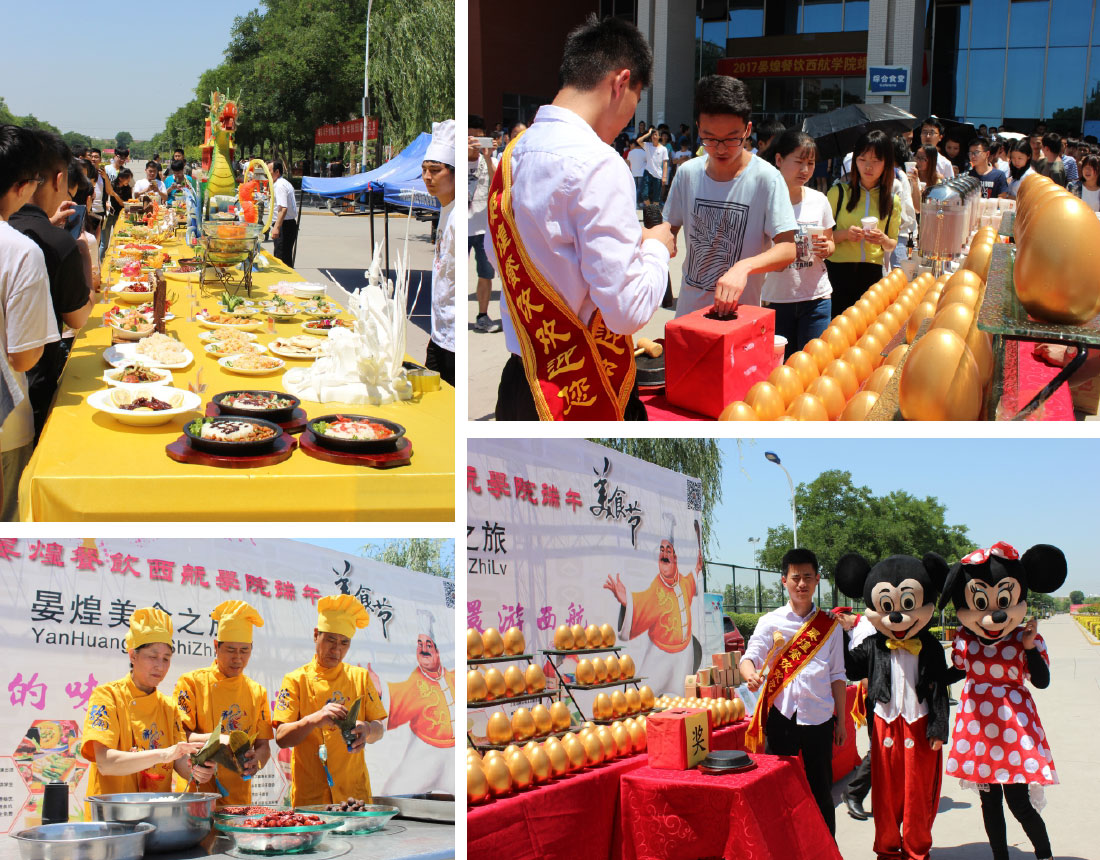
x: 669, y: 531
x: 442, y: 147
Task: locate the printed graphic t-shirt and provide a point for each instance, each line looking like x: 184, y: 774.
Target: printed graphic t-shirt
x: 725, y: 222
x: 805, y: 279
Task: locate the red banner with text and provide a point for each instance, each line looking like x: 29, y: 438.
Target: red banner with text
x: 794, y: 66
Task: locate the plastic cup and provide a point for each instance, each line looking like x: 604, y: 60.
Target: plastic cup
x: 869, y: 223
x: 910, y: 166
x: 815, y: 229
x: 780, y: 348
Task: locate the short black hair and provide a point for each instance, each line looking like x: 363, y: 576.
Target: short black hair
x: 769, y: 128
x: 80, y: 150
x: 20, y: 156
x: 125, y: 153
x: 933, y: 121
x: 1053, y: 141
x: 178, y: 165
x: 798, y: 555
x: 596, y: 48
x: 78, y: 176
x: 56, y: 154
x: 96, y: 150
x: 178, y: 149
x: 277, y: 165
x: 983, y: 142
x: 476, y: 121
x: 721, y: 94
x: 126, y: 173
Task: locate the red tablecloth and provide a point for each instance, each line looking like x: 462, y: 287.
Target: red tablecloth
x: 765, y: 814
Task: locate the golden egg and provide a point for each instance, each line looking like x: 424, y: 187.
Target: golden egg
x: 574, y: 751
x: 476, y: 691
x: 499, y: 729
x: 593, y: 636
x: 1028, y: 186
x: 956, y: 317
x: 787, y: 382
x: 560, y: 718
x: 862, y: 361
x: 964, y: 293
x: 618, y: 704
x: 872, y: 344
x: 519, y: 766
x: 837, y: 341
x: 593, y: 747
x: 626, y: 667
x: 473, y: 755
x: 498, y: 776
x: 925, y: 310
x: 514, y: 642
x: 614, y: 670
x: 805, y: 366
x: 508, y: 750
x: 880, y: 331
x: 897, y: 354
x: 633, y: 701
x: 544, y: 723
x: 534, y: 680
x: 563, y: 638
x: 859, y: 406
x: 940, y: 381
x: 963, y: 278
x: 979, y: 258
x: 477, y: 786
x: 637, y: 737
x: 492, y: 754
x: 523, y: 725
x: 474, y: 646
x: 738, y: 410
x: 766, y: 401
x: 601, y: 709
x: 540, y: 763
x: 820, y: 352
x: 600, y: 666
x: 878, y: 297
x: 579, y: 638
x: 845, y: 327
x: 845, y: 374
x: 1057, y: 270
x: 1031, y: 214
x: 807, y: 407
x: 586, y: 673
x: 980, y: 344
x: 893, y: 318
x: 588, y: 724
x: 495, y: 684
x: 647, y: 696
x: 856, y: 319
x: 607, y: 634
x: 515, y: 682
x: 726, y: 707
x: 492, y: 642
x: 610, y: 748
x: 867, y: 307
x: 555, y: 752
x: 621, y: 736
x: 880, y: 378
x: 738, y: 710
x: 828, y: 390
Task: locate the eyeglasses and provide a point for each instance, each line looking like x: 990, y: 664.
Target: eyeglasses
x: 728, y: 143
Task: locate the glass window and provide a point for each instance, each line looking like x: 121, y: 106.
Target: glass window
x: 958, y: 108
x: 985, y: 84
x: 715, y: 33
x: 746, y: 18
x: 1024, y: 82
x: 821, y: 16
x: 1028, y: 24
x: 1092, y: 94
x: 784, y: 95
x: 829, y: 93
x: 1064, y: 79
x: 990, y: 23
x: 1069, y: 22
x: 855, y: 90
x: 756, y: 87
x: 855, y: 15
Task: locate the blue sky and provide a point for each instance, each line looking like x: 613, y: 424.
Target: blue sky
x: 105, y: 68
x: 1024, y: 491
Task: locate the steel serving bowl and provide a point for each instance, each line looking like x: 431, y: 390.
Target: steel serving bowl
x: 181, y: 819
x: 84, y: 840
x: 273, y: 841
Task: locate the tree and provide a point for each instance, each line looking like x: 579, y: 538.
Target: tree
x: 1077, y: 596
x: 835, y: 516
x: 700, y: 458
x: 427, y: 555
x: 75, y: 138
x: 123, y: 140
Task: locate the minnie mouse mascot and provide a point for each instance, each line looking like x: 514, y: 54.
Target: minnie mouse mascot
x: 998, y: 745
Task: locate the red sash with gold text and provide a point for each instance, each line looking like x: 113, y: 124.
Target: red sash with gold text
x: 576, y: 372
x: 798, y: 652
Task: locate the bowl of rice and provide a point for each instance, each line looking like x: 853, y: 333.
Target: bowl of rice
x: 232, y: 435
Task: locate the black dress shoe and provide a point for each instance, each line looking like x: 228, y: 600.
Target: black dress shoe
x: 855, y: 807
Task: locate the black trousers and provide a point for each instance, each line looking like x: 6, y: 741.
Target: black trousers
x: 516, y: 403
x: 284, y: 242
x: 850, y: 281
x: 786, y: 737
x: 442, y: 361
x: 993, y: 814
x: 860, y: 785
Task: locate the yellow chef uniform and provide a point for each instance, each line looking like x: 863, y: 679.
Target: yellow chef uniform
x: 122, y: 717
x: 206, y: 697
x: 308, y: 689
x: 427, y: 705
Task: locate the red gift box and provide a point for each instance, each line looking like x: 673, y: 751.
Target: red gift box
x: 678, y: 738
x: 709, y: 363
x: 709, y: 692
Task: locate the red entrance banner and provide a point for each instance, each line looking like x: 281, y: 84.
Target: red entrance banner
x: 794, y: 65
x: 346, y: 131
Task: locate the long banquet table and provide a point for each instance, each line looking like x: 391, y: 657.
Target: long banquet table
x: 87, y: 466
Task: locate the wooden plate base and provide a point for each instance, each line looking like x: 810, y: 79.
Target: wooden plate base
x: 401, y: 456
x: 182, y: 452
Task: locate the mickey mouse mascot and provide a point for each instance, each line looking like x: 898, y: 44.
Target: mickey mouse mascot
x: 906, y: 672
x: 999, y: 746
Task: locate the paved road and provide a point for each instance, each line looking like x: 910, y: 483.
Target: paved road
x: 1068, y: 708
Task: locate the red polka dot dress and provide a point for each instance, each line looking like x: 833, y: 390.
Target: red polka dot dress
x: 998, y: 736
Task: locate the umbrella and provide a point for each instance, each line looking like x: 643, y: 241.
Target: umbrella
x: 1011, y: 135
x: 837, y: 131
x: 963, y: 132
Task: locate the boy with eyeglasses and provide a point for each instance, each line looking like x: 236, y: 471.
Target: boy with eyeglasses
x: 734, y: 206
x: 993, y: 181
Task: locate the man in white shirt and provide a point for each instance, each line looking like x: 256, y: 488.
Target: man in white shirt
x: 656, y: 165
x: 480, y: 170
x: 807, y: 715
x: 638, y: 160
x: 151, y: 182
x: 284, y: 229
x: 438, y: 172
x: 931, y: 133
x: 573, y: 206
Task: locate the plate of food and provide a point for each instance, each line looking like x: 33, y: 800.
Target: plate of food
x: 235, y: 436
x: 252, y: 365
x: 309, y: 291
x: 222, y: 320
x: 356, y: 434
x: 324, y: 325
x: 224, y: 334
x: 128, y: 325
x: 133, y: 291
x: 273, y: 405
x: 226, y: 347
x: 358, y: 816
x: 278, y: 832
x: 298, y: 346
x: 319, y: 307
x: 144, y: 407
x: 137, y: 375
x: 156, y: 350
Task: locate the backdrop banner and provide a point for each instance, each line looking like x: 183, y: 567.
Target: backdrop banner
x: 66, y: 606
x: 570, y: 532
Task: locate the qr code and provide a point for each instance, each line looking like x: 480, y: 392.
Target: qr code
x: 694, y: 494
x: 449, y: 593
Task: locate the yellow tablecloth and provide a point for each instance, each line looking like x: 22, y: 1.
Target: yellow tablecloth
x: 87, y: 466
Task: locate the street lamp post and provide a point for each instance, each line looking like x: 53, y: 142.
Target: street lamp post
x: 755, y: 542
x: 772, y: 457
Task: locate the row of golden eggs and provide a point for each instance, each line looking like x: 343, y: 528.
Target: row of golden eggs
x: 575, y: 637
x: 600, y: 670
x: 723, y: 711
x: 618, y: 704
x: 492, y: 644
x: 525, y: 724
x: 494, y: 684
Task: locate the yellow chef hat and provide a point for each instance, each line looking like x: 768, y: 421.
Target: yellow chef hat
x: 235, y: 620
x: 148, y: 625
x: 342, y: 614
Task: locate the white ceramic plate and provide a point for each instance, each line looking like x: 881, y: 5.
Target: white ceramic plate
x: 211, y: 336
x: 308, y: 291
x: 282, y: 352
x: 246, y: 324
x: 102, y: 402
x: 126, y: 353
x: 126, y: 334
x: 321, y: 332
x: 255, y: 347
x: 225, y: 362
x: 165, y: 378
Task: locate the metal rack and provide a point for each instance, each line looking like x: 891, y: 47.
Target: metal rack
x: 507, y: 700
x: 569, y: 688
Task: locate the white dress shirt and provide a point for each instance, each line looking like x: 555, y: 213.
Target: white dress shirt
x: 903, y: 690
x: 861, y: 631
x: 574, y: 203
x: 809, y: 696
x: 443, y: 281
